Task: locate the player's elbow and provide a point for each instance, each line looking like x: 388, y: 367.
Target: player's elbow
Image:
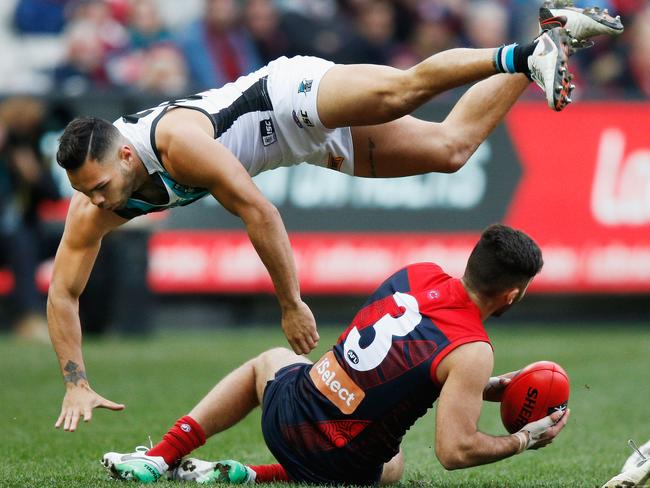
x: 258, y: 212
x: 453, y: 455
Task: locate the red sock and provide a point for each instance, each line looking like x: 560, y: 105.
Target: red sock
x: 185, y: 436
x: 269, y: 473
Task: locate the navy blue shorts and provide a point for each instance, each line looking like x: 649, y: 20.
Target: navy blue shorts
x: 292, y: 409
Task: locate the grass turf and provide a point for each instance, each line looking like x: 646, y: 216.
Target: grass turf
x: 161, y: 377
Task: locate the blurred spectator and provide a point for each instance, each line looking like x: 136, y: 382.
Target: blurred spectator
x: 159, y: 69
x: 26, y: 183
x: 263, y: 22
x: 102, y: 16
x: 145, y: 25
x: 375, y: 24
x: 639, y: 51
x: 151, y: 62
x: 434, y: 31
x: 486, y: 24
x: 83, y: 68
x: 217, y: 47
x: 91, y: 37
x: 40, y: 16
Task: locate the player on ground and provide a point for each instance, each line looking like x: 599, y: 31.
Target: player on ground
x: 352, y: 119
x: 419, y: 337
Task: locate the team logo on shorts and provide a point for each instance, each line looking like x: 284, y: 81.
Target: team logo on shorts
x: 268, y: 132
x: 305, y: 86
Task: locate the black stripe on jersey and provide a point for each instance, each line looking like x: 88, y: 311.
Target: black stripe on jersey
x: 154, y: 124
x: 253, y: 99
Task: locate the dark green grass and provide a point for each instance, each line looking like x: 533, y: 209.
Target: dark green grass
x: 160, y: 378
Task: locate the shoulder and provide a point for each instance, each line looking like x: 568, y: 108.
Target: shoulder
x: 86, y: 223
x: 426, y: 275
x: 473, y: 360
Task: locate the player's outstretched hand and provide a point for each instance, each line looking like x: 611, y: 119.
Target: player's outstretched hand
x: 542, y: 432
x: 493, y: 391
x: 299, y: 326
x: 80, y: 401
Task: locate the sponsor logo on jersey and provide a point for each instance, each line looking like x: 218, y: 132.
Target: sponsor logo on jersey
x: 335, y: 162
x: 297, y: 120
x: 305, y: 118
x: 335, y: 384
x: 305, y: 86
x: 268, y: 132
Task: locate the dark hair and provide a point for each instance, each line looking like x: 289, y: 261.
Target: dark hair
x: 85, y: 138
x: 503, y: 258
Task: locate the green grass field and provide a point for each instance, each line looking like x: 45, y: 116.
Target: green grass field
x: 161, y: 377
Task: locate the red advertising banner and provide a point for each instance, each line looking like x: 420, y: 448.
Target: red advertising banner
x: 583, y: 194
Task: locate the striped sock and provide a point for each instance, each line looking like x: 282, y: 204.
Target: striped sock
x: 504, y: 59
x: 513, y: 58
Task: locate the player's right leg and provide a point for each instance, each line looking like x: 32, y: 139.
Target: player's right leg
x: 362, y: 95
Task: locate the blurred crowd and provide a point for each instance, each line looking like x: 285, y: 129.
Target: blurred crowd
x: 131, y: 45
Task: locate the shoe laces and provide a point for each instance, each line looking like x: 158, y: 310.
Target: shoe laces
x: 634, y: 447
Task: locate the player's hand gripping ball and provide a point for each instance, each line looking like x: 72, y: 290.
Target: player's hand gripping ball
x: 536, y: 391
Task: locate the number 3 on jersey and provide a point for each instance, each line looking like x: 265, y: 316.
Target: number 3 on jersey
x: 367, y: 358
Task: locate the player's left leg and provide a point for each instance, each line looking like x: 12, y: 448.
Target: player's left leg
x: 393, y: 470
x: 409, y: 146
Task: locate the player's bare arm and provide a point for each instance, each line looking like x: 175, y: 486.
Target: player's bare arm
x: 191, y: 155
x: 459, y: 443
x: 85, y: 226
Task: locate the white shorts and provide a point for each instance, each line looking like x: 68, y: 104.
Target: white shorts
x: 293, y: 89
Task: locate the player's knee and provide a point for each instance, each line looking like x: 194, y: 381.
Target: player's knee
x: 458, y: 150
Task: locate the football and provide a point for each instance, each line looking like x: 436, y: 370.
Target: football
x: 536, y: 391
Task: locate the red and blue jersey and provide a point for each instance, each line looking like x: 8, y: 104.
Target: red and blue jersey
x: 357, y: 401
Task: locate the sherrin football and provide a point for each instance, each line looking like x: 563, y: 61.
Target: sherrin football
x: 535, y: 392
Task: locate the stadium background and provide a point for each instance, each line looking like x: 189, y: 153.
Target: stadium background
x: 578, y: 182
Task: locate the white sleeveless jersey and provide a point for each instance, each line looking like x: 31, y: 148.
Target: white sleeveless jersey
x: 266, y: 119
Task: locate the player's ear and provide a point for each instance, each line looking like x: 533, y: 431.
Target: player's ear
x: 511, y: 295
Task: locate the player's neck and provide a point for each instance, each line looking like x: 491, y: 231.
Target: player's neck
x: 486, y: 307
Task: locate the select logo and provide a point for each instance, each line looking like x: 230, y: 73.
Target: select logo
x: 333, y: 382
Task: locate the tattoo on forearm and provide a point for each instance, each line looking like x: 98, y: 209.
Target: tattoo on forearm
x: 371, y: 156
x: 73, y: 373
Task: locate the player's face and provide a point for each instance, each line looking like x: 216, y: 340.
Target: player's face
x: 108, y: 184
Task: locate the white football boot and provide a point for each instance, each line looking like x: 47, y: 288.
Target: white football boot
x: 549, y: 67
x: 206, y: 472
x: 135, y: 466
x: 580, y: 23
x: 636, y: 470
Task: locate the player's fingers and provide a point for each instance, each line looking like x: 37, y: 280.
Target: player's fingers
x: 68, y: 419
x: 295, y: 345
x: 60, y: 420
x: 74, y: 421
x: 88, y: 414
x: 104, y: 403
